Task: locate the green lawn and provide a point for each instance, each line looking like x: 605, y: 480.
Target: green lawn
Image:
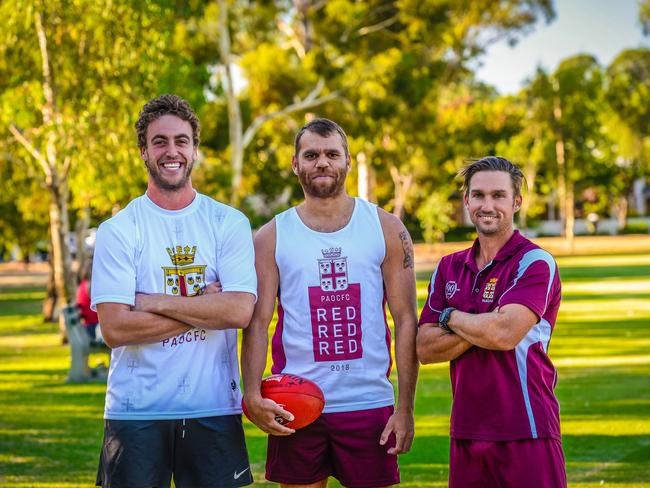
x: 50, y: 432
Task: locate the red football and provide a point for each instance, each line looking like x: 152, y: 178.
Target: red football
x: 298, y: 395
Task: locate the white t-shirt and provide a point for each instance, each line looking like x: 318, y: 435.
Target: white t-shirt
x: 147, y: 249
x: 331, y: 314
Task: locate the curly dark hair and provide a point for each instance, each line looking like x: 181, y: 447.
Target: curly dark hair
x: 166, y: 105
x: 491, y: 163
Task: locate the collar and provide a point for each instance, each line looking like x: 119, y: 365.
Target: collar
x: 506, y: 251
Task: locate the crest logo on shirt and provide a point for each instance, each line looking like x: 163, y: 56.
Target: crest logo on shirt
x: 488, y: 292
x: 184, y: 278
x: 333, y: 270
x: 335, y: 310
x: 451, y: 287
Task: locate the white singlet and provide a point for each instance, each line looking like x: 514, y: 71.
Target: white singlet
x: 147, y: 249
x: 331, y: 309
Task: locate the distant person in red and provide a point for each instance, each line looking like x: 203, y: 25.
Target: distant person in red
x: 491, y: 311
x: 89, y: 318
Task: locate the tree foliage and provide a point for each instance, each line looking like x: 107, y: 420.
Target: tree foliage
x: 70, y: 74
x: 396, y: 74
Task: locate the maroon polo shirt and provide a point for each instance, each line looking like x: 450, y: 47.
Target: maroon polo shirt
x: 501, y: 395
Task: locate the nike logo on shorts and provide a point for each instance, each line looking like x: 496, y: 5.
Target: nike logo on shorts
x: 237, y: 475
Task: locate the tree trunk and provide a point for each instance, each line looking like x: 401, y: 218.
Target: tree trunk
x: 234, y: 111
x: 561, y: 183
x: 365, y: 178
x: 527, y: 201
x: 60, y: 230
x: 570, y: 214
x: 402, y: 186
x: 565, y: 185
x: 50, y: 305
x: 302, y: 6
x: 81, y: 229
x: 621, y: 212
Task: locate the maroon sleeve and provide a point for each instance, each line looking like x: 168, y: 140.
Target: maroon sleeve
x: 436, y: 301
x: 534, y: 283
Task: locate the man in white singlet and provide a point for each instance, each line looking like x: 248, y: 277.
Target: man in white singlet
x: 173, y: 405
x: 333, y: 262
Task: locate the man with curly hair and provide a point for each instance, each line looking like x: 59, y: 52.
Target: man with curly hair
x: 173, y: 279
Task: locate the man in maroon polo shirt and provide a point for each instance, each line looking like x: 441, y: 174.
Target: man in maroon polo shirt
x: 491, y: 311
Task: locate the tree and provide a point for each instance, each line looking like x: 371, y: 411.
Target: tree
x: 24, y: 212
x: 644, y: 15
x: 628, y: 97
x: 567, y: 110
x: 363, y: 64
x: 240, y: 138
x: 70, y: 75
x: 391, y: 60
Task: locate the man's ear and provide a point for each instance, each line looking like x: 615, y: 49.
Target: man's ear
x: 294, y: 165
x: 518, y: 201
x: 143, y: 153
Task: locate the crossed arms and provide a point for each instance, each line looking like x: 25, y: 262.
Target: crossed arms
x: 499, y: 330
x: 157, y: 317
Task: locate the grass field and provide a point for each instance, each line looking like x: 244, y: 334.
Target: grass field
x: 50, y: 432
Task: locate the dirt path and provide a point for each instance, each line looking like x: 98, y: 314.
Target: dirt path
x: 17, y: 275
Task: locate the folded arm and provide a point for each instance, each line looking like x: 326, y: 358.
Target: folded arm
x: 225, y: 310
x: 435, y: 345
x: 122, y: 326
x: 500, y: 330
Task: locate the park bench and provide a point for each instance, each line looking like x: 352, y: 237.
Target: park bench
x: 80, y: 348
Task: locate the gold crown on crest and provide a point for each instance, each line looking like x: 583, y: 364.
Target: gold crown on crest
x: 331, y: 253
x: 183, y: 255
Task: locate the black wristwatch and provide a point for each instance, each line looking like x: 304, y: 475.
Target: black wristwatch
x: 443, y: 321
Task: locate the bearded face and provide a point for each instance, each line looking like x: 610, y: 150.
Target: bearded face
x: 322, y: 165
x: 170, y: 153
x: 170, y: 174
x: 322, y: 184
x: 491, y: 203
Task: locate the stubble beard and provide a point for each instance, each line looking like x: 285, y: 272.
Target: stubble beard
x: 154, y: 172
x: 318, y: 191
x: 499, y: 227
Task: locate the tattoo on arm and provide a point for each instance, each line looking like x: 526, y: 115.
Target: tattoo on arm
x: 408, y: 249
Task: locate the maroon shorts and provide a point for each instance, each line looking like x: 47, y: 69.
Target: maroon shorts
x: 344, y: 445
x: 532, y: 463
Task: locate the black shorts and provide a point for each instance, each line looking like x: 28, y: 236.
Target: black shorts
x: 204, y: 452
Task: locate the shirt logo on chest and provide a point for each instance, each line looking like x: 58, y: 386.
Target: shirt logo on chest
x: 333, y: 270
x: 184, y: 278
x: 450, y: 289
x: 488, y: 292
x: 335, y: 310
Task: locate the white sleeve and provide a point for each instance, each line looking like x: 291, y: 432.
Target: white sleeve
x: 236, y: 256
x: 113, y: 275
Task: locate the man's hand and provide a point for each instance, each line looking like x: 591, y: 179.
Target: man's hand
x: 211, y: 288
x: 402, y: 425
x: 263, y: 413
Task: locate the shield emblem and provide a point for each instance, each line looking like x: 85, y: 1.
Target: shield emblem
x: 184, y: 282
x: 333, y: 274
x: 450, y: 289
